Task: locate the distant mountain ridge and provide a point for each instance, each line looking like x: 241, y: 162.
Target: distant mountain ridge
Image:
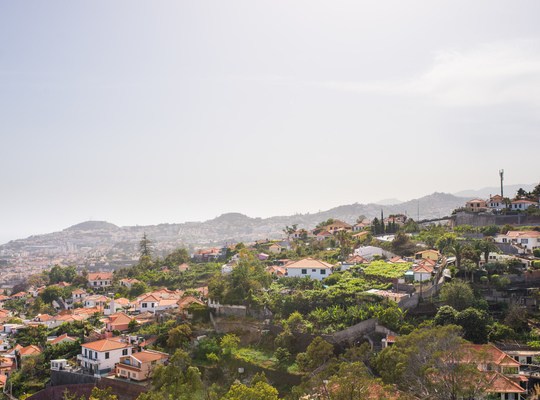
x: 226, y: 228
x: 484, y: 193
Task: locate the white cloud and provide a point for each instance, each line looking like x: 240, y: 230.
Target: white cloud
x: 495, y: 73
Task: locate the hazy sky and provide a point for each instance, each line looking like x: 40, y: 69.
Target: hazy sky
x: 141, y: 112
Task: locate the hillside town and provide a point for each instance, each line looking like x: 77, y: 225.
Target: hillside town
x: 292, y: 317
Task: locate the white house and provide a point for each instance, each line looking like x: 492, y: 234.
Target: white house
x: 59, y: 365
x: 529, y: 240
x: 422, y: 273
x: 315, y: 269
x: 369, y: 252
x: 522, y: 205
x: 149, y: 303
x: 496, y: 202
x: 100, y: 279
x: 96, y: 300
x: 78, y: 295
x: 100, y: 357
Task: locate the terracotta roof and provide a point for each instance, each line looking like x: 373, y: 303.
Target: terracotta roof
x: 488, y: 353
x: 100, y: 276
x: 78, y: 291
x: 498, y: 383
x: 183, y: 267
x: 523, y: 234
x: 3, y: 380
x: 31, y: 350
x: 309, y: 263
x: 61, y: 338
x: 106, y: 345
x: 423, y: 268
x: 150, y: 298
x: 188, y: 300
x: 122, y: 301
x: 119, y: 319
x: 167, y: 302
x: 44, y: 317
x: 149, y: 356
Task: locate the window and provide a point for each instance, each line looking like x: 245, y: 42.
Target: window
x: 85, y: 352
x: 106, y: 355
x: 304, y: 271
x: 144, y: 305
x: 313, y: 270
x: 125, y: 352
x: 323, y: 272
x: 524, y: 241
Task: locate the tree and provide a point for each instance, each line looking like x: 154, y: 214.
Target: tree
x: 53, y: 292
x: 145, y: 246
x: 429, y: 364
x: 457, y: 294
x: 179, y: 336
x: 446, y: 315
x: 102, y: 394
x: 59, y: 274
x: 344, y: 240
x: 177, y: 257
x: 283, y: 356
x: 456, y: 248
x: 352, y: 381
x: 516, y: 317
x: 138, y: 288
x: 259, y: 391
x: 317, y: 353
x: 229, y: 343
x: 289, y: 230
x: 475, y: 324
x: 178, y: 380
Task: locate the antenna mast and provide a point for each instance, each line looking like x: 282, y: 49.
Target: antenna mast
x: 501, y: 173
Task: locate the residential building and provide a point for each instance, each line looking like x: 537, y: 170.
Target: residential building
x: 476, y: 205
x: 100, y: 279
x: 428, y: 255
x: 528, y: 240
x: 522, y: 205
x: 118, y: 322
x: 422, y: 272
x: 149, y: 303
x: 496, y: 202
x: 64, y: 338
x: 129, y: 282
x: 315, y: 269
x: 274, y: 248
x: 100, y: 357
x: 139, y: 366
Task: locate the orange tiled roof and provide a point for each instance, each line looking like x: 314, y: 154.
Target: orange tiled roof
x: 31, y: 350
x: 498, y: 383
x: 149, y: 356
x: 106, y: 345
x: 63, y: 337
x: 488, y: 353
x: 100, y: 276
x: 309, y: 263
x: 523, y: 234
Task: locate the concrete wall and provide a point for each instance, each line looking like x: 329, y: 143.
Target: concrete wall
x: 475, y: 219
x: 355, y: 332
x: 83, y: 384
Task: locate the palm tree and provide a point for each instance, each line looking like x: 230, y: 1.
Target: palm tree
x: 456, y: 249
x: 487, y: 246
